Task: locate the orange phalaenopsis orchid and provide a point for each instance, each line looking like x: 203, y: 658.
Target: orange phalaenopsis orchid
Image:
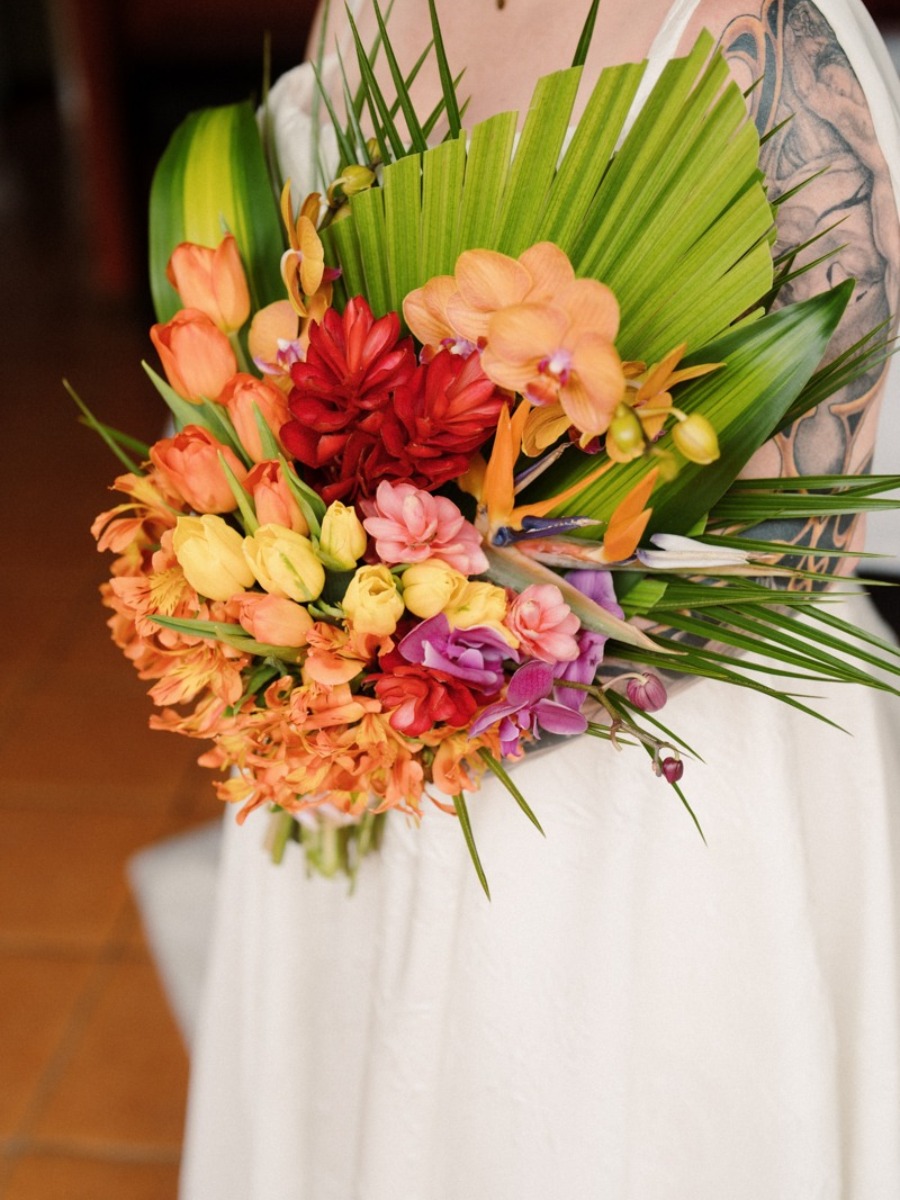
x: 542, y: 332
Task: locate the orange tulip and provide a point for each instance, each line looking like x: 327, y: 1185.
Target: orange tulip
x: 242, y: 396
x: 190, y: 463
x: 212, y: 280
x: 196, y: 356
x: 273, y: 619
x: 273, y: 499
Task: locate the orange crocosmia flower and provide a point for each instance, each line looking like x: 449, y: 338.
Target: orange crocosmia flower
x: 212, y: 280
x: 196, y: 355
x: 561, y: 353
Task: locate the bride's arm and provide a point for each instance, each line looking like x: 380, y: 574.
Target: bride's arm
x: 791, y: 52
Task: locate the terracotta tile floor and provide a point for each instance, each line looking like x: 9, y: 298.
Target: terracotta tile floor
x: 93, y: 1073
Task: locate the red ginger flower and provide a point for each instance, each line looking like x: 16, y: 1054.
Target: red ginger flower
x: 365, y: 412
x: 441, y: 419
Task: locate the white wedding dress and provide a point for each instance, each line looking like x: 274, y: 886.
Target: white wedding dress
x: 636, y: 1015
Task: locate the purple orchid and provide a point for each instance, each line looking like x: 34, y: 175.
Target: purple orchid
x: 527, y: 707
x: 582, y: 669
x: 474, y: 655
x: 597, y: 586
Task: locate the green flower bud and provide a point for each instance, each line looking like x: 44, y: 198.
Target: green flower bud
x: 696, y: 439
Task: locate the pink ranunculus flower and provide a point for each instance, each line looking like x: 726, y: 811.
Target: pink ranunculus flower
x: 544, y: 624
x: 411, y: 526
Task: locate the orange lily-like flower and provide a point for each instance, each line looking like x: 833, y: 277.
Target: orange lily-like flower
x: 651, y: 392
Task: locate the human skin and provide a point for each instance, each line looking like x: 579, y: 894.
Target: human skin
x: 790, y: 47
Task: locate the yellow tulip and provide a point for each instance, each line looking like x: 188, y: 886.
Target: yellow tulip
x: 284, y: 563
x: 210, y: 553
x: 372, y: 602
x: 428, y: 587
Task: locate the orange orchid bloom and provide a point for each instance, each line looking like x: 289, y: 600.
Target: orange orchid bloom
x: 303, y: 266
x: 561, y: 352
x: 460, y: 306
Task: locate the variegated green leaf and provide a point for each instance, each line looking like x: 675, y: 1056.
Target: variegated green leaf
x: 211, y: 180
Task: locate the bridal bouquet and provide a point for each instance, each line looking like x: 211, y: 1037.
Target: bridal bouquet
x: 457, y: 441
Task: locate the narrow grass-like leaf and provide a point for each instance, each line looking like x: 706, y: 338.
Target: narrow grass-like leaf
x: 345, y: 146
x: 496, y: 768
x: 115, y: 441
x: 245, y: 508
x: 861, y: 485
x: 267, y: 439
x: 354, y: 131
x: 438, y: 111
x: 379, y: 110
x: 231, y: 635
x: 587, y: 34
x: 409, y: 113
x: 446, y: 75
x: 310, y: 503
x: 459, y: 803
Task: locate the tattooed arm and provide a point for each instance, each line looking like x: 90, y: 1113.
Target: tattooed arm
x: 804, y: 75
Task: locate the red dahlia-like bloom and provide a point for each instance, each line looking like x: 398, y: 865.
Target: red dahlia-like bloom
x: 365, y: 412
x: 419, y: 698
